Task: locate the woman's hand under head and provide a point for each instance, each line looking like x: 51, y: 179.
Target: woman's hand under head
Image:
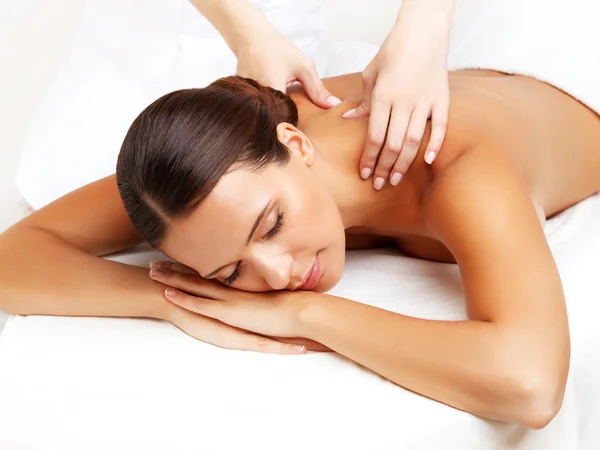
x: 230, y: 318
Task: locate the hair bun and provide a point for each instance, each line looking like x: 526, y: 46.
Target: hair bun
x: 278, y: 105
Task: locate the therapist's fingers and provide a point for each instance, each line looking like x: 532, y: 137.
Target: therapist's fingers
x: 313, y: 86
x: 439, y: 124
x: 412, y: 141
x: 378, y: 123
x: 391, y: 149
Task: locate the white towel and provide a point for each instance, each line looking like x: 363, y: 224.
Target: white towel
x: 555, y: 41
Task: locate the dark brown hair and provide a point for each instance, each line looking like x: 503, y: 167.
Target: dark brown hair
x: 180, y: 146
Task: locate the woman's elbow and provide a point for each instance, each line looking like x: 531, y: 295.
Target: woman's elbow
x: 539, y: 396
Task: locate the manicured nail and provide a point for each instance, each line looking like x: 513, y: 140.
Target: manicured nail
x: 348, y: 113
x: 169, y: 292
x: 155, y: 264
x: 298, y: 348
x: 396, y: 178
x: 333, y: 101
x: 155, y: 272
x: 365, y: 173
x: 379, y: 182
x: 430, y: 157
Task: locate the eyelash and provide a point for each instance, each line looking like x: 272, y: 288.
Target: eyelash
x: 271, y: 233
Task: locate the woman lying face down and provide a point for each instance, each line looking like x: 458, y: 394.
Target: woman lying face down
x: 260, y: 192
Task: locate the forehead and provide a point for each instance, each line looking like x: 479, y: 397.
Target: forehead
x: 221, y: 223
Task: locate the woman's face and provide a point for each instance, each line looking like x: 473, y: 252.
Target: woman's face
x: 275, y: 229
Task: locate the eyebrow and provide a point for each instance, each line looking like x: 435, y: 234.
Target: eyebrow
x: 248, y: 239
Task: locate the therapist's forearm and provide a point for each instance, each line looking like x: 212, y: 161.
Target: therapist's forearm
x: 40, y: 274
x: 238, y: 21
x: 468, y: 365
x: 436, y: 14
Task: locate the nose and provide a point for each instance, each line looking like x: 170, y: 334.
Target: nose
x: 275, y: 267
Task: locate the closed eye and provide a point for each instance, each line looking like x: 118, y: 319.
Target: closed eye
x: 276, y: 228
x: 271, y: 233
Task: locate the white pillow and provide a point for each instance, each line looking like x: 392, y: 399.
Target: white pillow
x: 126, y: 54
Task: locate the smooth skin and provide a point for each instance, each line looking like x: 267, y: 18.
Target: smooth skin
x: 517, y: 151
x: 405, y: 84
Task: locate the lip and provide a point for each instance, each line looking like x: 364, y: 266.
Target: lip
x: 313, y: 276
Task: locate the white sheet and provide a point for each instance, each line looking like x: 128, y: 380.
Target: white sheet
x: 555, y: 41
x: 93, y: 383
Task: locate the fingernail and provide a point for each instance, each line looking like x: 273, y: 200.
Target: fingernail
x: 396, y: 178
x: 155, y: 264
x: 348, y: 113
x: 430, y: 157
x: 365, y: 173
x: 298, y: 348
x: 169, y: 292
x: 155, y: 272
x: 333, y: 101
x: 379, y: 182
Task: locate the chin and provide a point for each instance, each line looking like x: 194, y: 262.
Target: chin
x: 329, y: 279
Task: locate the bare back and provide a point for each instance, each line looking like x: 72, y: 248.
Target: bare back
x: 553, y: 138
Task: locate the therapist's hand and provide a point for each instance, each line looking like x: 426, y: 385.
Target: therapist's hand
x: 276, y: 62
x: 404, y: 85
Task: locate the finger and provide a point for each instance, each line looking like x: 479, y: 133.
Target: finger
x: 360, y: 111
x: 222, y: 335
x: 412, y: 141
x: 172, y: 266
x: 199, y: 305
x: 192, y: 284
x: 263, y: 344
x: 313, y: 86
x: 439, y: 123
x: 378, y: 123
x: 392, y: 147
x: 309, y: 344
x: 368, y: 81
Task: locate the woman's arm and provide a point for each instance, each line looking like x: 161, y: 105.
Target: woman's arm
x: 48, y: 263
x: 49, y: 266
x: 510, y: 360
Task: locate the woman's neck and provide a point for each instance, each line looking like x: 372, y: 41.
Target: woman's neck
x: 338, y: 145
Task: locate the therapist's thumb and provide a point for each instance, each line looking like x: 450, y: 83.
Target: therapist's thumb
x: 313, y: 86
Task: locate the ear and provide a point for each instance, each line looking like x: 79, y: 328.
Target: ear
x: 297, y: 142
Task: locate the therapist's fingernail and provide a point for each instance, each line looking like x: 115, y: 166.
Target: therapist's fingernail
x: 298, y: 348
x: 169, y: 293
x: 379, y: 182
x: 430, y: 157
x: 365, y: 173
x: 396, y: 178
x: 155, y: 272
x: 333, y: 101
x: 348, y: 113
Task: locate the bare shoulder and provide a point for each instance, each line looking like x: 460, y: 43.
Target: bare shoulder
x: 92, y: 219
